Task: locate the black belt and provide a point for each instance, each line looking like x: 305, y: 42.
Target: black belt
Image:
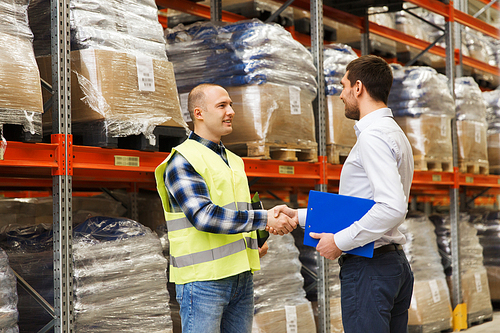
x: 377, y: 251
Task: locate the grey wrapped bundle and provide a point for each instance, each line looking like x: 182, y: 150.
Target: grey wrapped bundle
x: 120, y: 278
x: 420, y: 90
x: 8, y: 296
x: 469, y: 101
x: 492, y: 99
x: 126, y: 26
x: 247, y: 52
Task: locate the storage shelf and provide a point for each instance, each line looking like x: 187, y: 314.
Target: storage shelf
x: 31, y: 165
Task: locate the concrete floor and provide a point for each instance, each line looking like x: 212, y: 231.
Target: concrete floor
x: 487, y: 327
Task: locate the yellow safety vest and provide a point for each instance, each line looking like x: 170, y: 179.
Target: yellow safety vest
x: 203, y: 256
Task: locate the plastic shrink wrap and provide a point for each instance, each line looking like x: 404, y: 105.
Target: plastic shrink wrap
x: 8, y: 296
x: 475, y: 289
x: 335, y: 303
x: 471, y: 126
x: 278, y: 309
x: 380, y: 45
x: 482, y: 48
x: 272, y: 89
x: 430, y: 308
x: 492, y: 99
x: 30, y: 254
x: 423, y: 107
x: 120, y: 282
x: 19, y: 75
x: 488, y: 231
x: 121, y: 75
x: 340, y: 134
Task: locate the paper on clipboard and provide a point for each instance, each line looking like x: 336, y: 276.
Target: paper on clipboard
x: 329, y: 212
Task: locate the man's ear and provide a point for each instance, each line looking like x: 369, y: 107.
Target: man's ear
x: 358, y: 88
x: 197, y: 113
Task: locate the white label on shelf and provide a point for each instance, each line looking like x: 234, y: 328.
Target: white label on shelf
x: 294, y: 99
x: 183, y: 98
x: 445, y: 122
x: 435, y: 291
x: 291, y: 319
x: 479, y: 286
x: 477, y: 133
x: 145, y: 73
x: 131, y: 161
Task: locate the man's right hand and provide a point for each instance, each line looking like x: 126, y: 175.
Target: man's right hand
x: 281, y: 220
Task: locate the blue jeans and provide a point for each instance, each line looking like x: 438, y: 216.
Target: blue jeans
x: 224, y: 305
x: 376, y: 293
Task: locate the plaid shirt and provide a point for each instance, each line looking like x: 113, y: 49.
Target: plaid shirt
x: 188, y: 193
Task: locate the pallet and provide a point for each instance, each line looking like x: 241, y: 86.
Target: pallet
x: 276, y: 151
x: 337, y: 154
x: 21, y: 126
x: 423, y: 163
x: 442, y: 326
x: 478, y: 168
x: 478, y: 318
x: 98, y: 134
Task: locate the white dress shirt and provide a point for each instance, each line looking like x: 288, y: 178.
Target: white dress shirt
x: 379, y: 167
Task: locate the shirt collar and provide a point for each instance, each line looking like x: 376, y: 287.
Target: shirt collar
x: 217, y: 148
x: 370, y: 118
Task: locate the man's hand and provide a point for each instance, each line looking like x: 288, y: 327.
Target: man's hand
x: 281, y: 220
x: 326, y: 246
x: 263, y: 250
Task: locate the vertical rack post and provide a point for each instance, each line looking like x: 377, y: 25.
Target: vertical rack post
x: 61, y: 178
x: 454, y: 191
x: 215, y: 10
x: 319, y: 110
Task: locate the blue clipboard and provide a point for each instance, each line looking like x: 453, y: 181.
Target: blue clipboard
x: 329, y: 212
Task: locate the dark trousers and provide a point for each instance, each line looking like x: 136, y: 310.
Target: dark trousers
x: 376, y: 293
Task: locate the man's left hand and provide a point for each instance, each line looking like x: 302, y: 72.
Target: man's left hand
x: 326, y: 246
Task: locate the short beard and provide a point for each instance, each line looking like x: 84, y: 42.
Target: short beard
x: 351, y: 111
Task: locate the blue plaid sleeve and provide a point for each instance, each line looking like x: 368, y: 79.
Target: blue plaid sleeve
x: 188, y: 192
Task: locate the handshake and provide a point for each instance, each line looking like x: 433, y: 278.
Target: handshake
x: 281, y: 220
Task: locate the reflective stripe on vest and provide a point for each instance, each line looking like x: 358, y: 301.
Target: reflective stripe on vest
x: 214, y: 254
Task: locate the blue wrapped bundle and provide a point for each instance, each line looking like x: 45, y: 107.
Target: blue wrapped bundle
x: 336, y: 57
x: 248, y: 52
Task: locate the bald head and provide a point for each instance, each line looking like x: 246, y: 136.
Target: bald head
x: 197, y: 98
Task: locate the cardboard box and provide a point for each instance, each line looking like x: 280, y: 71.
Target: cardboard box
x: 430, y: 305
x: 429, y: 135
x: 105, y: 85
x: 472, y: 142
x: 494, y: 282
x: 339, y: 129
x: 476, y: 292
x: 494, y: 152
x: 271, y: 113
x: 20, y: 87
x: 277, y: 321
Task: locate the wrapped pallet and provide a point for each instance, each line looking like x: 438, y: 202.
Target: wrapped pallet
x: 20, y: 89
x: 475, y: 289
x: 488, y: 231
x: 471, y: 127
x: 430, y: 309
x: 278, y: 309
x: 8, y: 296
x: 423, y: 107
x: 335, y: 302
x: 340, y: 134
x: 120, y: 282
x: 122, y: 79
x: 492, y: 99
x: 272, y: 90
x: 31, y: 256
